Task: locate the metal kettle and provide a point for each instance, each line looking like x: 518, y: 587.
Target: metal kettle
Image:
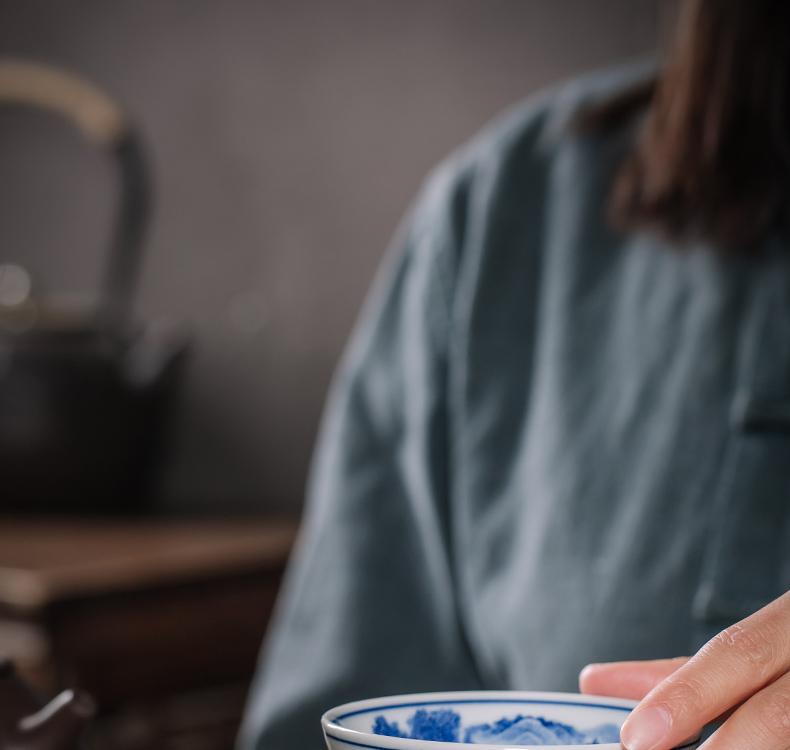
x: 85, y: 400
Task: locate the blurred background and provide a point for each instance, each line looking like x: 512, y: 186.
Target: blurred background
x: 285, y: 139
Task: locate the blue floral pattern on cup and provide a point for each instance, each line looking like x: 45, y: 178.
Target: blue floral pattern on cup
x: 444, y: 725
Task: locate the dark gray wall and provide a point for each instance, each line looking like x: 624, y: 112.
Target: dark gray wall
x: 288, y: 136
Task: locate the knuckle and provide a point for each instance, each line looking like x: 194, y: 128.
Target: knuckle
x: 773, y: 717
x: 691, y: 691
x: 751, y: 645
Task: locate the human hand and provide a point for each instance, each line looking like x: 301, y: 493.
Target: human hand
x: 742, y: 674
x: 627, y: 679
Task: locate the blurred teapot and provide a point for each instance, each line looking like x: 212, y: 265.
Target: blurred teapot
x: 28, y: 723
x: 85, y: 394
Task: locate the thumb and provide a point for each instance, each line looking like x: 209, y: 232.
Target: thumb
x: 627, y: 679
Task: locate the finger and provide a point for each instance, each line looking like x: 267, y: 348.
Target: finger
x: 728, y: 669
x: 627, y: 679
x: 761, y: 723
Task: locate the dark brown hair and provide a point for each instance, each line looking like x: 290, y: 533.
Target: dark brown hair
x: 712, y: 160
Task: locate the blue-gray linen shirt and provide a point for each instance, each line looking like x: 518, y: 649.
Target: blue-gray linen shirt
x: 547, y: 444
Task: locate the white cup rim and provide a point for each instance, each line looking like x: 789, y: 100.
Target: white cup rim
x: 363, y: 740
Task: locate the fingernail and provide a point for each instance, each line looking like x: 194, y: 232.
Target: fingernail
x: 645, y: 729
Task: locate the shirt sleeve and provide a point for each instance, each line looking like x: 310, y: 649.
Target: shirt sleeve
x: 368, y: 606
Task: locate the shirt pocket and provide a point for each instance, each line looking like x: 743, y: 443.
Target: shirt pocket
x: 746, y: 560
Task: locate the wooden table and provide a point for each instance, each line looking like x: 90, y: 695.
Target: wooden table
x: 161, y: 621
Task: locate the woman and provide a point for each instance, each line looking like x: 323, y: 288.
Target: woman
x: 719, y: 123
x: 558, y: 439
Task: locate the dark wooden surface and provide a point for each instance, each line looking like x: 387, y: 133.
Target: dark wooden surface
x: 161, y: 622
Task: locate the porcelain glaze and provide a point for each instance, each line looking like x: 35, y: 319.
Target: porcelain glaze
x: 481, y: 719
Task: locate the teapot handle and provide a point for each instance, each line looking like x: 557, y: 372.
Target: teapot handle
x: 103, y: 122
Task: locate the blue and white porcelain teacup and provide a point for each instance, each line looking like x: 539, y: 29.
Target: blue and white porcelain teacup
x: 483, y: 719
